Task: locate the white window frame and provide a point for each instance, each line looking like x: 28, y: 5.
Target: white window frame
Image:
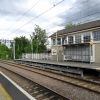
x: 52, y: 42
x: 60, y: 41
x: 68, y: 39
x: 93, y: 37
x: 86, y: 34
x: 80, y: 38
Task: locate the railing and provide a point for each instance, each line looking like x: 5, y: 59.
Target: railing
x: 37, y: 56
x: 77, y: 42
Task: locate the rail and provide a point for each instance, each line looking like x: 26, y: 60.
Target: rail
x: 79, y: 82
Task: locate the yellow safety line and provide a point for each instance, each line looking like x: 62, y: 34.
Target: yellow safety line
x: 4, y: 93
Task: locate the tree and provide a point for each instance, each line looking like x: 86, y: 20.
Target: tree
x: 39, y: 40
x: 22, y: 45
x: 69, y: 25
x: 4, y: 52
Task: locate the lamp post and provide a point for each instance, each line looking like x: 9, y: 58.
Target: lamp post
x: 14, y: 49
x: 32, y: 46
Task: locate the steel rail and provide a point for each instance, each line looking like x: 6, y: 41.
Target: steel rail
x: 79, y: 84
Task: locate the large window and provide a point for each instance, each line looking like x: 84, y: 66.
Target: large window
x: 58, y: 41
x: 77, y: 38
x: 70, y: 39
x: 86, y: 37
x: 96, y: 36
x: 54, y: 41
x: 63, y: 40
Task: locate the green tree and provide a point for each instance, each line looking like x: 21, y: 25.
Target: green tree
x: 4, y: 52
x: 39, y: 40
x: 69, y: 25
x: 22, y: 45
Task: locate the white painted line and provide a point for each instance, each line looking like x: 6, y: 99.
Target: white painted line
x: 18, y: 87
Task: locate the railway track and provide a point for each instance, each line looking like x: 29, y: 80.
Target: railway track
x: 86, y: 85
x: 36, y: 90
x: 87, y: 78
x: 90, y: 79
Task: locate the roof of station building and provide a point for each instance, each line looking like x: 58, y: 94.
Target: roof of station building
x: 76, y: 28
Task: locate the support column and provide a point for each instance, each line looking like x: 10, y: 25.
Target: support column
x: 82, y: 40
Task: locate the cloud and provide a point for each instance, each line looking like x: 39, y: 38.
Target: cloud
x: 14, y: 8
x: 82, y: 11
x: 11, y: 18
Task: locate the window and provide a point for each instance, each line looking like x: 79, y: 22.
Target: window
x: 58, y: 41
x: 63, y: 39
x: 70, y: 39
x: 54, y: 41
x: 77, y: 38
x: 86, y: 37
x: 96, y: 36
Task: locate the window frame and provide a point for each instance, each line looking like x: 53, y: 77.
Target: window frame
x: 97, y: 37
x: 53, y: 43
x: 88, y: 39
x: 78, y: 39
x: 71, y: 41
x: 59, y: 42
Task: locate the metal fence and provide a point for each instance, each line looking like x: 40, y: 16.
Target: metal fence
x: 38, y: 56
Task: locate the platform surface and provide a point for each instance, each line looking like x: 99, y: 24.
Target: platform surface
x: 94, y: 66
x: 3, y: 94
x: 9, y: 90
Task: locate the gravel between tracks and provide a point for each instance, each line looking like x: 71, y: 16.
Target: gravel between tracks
x: 31, y: 87
x: 72, y: 92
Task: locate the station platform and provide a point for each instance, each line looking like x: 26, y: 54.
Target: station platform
x: 3, y: 94
x: 79, y: 68
x: 82, y: 65
x: 9, y: 90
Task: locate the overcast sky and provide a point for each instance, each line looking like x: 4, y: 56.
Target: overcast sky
x: 11, y: 15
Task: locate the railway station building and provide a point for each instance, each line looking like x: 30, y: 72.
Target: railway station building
x: 77, y: 43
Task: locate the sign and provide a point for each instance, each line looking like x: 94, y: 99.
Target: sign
x: 54, y: 52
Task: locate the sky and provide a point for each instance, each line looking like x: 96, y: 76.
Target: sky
x: 19, y: 17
